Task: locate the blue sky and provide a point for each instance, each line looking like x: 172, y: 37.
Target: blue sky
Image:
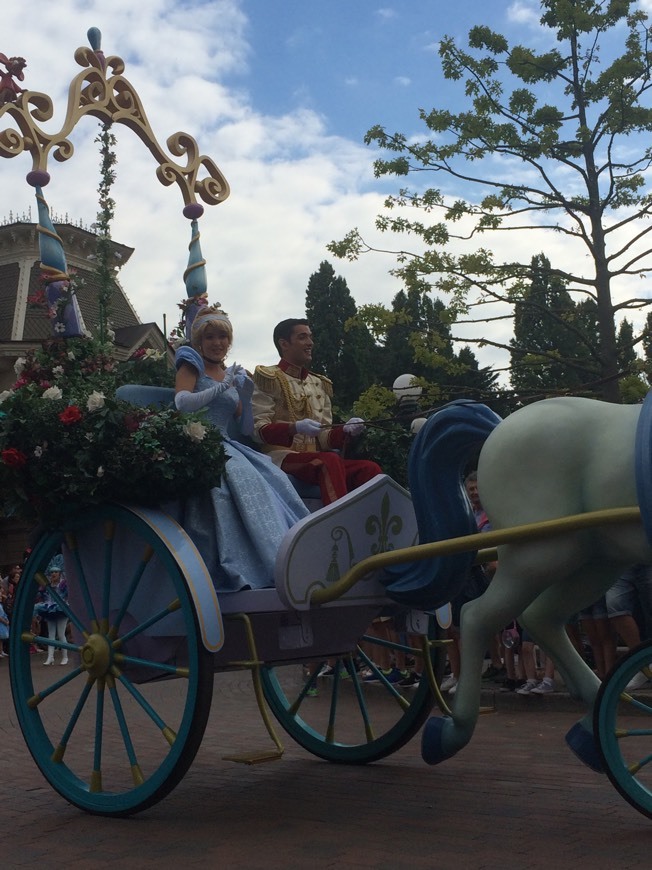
x: 280, y: 94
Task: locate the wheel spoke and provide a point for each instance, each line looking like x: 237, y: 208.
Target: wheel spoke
x: 136, y: 772
x: 143, y: 626
x: 139, y: 570
x: 163, y: 727
x: 73, y: 548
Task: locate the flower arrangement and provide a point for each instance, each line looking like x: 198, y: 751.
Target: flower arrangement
x: 66, y: 441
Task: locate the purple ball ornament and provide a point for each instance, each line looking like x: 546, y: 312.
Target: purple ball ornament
x: 38, y: 178
x: 193, y: 211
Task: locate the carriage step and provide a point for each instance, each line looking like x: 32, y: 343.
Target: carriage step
x: 255, y: 757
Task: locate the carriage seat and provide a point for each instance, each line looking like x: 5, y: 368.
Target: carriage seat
x: 143, y: 396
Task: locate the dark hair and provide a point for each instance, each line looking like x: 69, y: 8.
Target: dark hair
x: 283, y: 330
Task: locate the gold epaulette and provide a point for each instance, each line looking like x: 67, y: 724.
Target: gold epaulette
x: 266, y: 378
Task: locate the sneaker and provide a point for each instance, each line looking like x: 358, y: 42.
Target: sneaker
x: 494, y: 673
x: 637, y: 682
x: 545, y: 687
x: 326, y: 671
x: 448, y: 682
x: 412, y: 679
x: 312, y: 692
x: 527, y: 687
x: 395, y: 676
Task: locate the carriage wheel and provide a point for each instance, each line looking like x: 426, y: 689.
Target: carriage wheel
x: 622, y: 723
x: 111, y: 731
x: 345, y: 717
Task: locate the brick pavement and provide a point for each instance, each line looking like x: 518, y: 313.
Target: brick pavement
x: 515, y: 797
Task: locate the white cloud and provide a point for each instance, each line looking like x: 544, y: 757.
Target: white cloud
x: 386, y: 13
x: 525, y: 12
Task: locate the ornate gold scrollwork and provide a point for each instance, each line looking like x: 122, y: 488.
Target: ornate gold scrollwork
x: 103, y: 91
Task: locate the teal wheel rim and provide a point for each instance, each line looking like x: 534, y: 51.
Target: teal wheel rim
x: 623, y: 728
x: 344, y: 718
x: 115, y: 729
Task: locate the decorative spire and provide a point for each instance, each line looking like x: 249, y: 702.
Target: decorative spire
x: 53, y: 258
x: 195, y: 279
x: 63, y: 308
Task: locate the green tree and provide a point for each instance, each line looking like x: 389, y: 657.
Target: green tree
x: 551, y: 348
x: 560, y: 124
x: 343, y: 348
x: 416, y: 338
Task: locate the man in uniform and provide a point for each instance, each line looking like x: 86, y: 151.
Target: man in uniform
x: 293, y: 418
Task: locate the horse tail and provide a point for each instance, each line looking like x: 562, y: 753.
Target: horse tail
x: 439, y: 455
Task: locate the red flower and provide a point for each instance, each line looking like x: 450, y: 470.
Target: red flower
x: 13, y: 458
x: 72, y: 414
x: 132, y: 422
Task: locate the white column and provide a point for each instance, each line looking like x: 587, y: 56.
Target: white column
x: 22, y: 291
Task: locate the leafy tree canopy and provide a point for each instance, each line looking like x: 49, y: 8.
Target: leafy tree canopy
x: 546, y: 140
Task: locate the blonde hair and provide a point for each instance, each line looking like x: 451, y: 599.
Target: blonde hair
x: 206, y: 316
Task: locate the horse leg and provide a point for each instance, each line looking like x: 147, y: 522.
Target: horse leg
x: 480, y: 619
x: 545, y: 618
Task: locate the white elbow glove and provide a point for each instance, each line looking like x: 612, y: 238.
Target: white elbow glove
x: 308, y: 427
x: 186, y: 401
x: 354, y: 427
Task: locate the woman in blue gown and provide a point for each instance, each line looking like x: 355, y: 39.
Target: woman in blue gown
x: 238, y: 526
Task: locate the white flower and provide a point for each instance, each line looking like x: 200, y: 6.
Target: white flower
x: 195, y: 431
x: 71, y: 355
x: 5, y: 394
x: 150, y: 353
x: 38, y: 452
x: 100, y: 471
x: 19, y: 365
x: 52, y: 393
x: 59, y: 327
x: 95, y: 401
x: 57, y: 370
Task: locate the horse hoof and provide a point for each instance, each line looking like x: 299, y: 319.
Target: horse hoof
x: 584, y: 745
x: 432, y: 748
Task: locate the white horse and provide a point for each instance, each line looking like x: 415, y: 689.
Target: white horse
x: 551, y: 459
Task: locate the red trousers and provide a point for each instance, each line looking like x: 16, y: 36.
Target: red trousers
x: 333, y: 475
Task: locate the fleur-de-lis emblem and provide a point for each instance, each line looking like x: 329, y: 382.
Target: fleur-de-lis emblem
x: 385, y: 526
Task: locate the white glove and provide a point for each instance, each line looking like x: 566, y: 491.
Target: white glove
x: 354, y: 427
x: 186, y: 401
x: 238, y: 374
x: 307, y: 427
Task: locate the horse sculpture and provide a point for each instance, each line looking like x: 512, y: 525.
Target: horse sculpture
x: 551, y: 459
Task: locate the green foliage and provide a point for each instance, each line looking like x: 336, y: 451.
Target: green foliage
x: 389, y: 446
x: 106, y: 213
x: 67, y: 442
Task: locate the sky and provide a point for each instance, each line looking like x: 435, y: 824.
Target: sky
x: 279, y: 93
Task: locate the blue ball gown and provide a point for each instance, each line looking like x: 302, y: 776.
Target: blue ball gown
x: 238, y: 526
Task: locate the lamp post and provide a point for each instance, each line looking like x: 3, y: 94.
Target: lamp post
x: 407, y: 393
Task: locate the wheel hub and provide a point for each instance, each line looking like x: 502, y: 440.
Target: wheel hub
x: 96, y: 656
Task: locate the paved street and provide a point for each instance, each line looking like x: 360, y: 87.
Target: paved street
x: 515, y: 798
